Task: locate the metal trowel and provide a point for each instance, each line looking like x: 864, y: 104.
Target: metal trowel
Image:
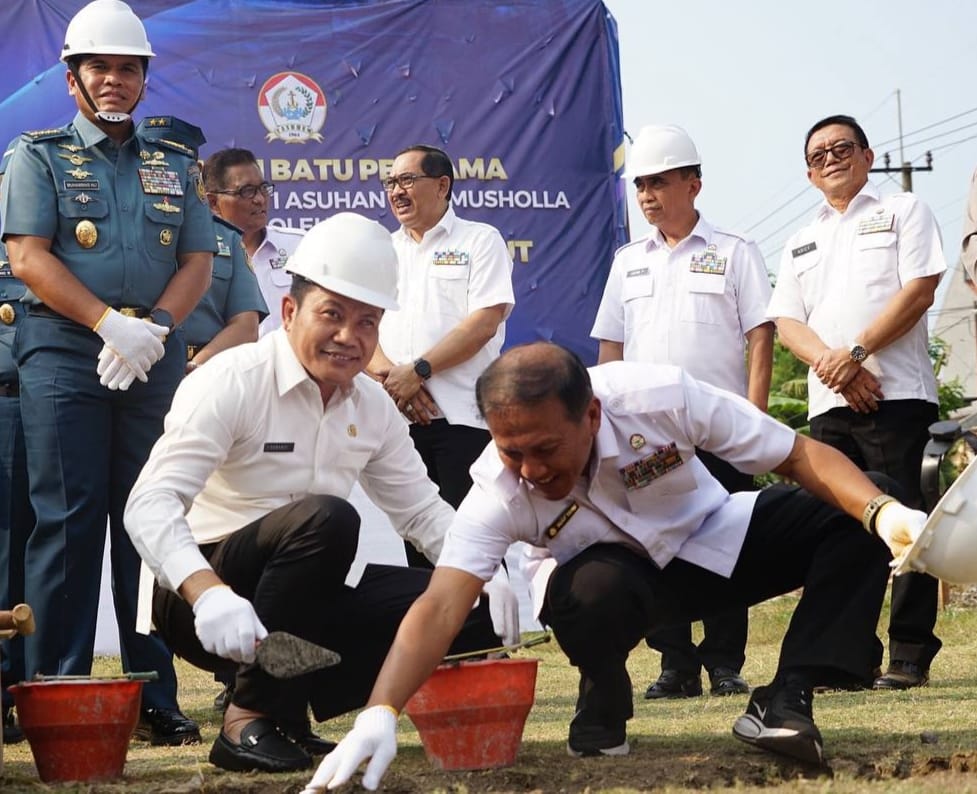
x: 283, y: 655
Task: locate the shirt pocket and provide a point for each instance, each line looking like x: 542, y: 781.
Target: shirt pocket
x: 223, y: 267
x: 82, y: 225
x: 704, y: 299
x: 876, y: 258
x: 449, y: 290
x: 636, y: 288
x: 673, y: 487
x: 162, y: 228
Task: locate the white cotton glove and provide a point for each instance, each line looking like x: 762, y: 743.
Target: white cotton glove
x: 227, y: 624
x: 113, y: 371
x: 899, y: 527
x: 503, y: 607
x: 374, y: 736
x: 137, y: 342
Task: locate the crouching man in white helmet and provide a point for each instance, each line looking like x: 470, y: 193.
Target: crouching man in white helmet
x: 241, y: 510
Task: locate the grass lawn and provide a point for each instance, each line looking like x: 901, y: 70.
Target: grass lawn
x: 922, y: 740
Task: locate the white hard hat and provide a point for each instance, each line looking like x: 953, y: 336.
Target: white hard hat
x: 349, y: 255
x: 947, y: 546
x: 106, y: 27
x: 661, y: 148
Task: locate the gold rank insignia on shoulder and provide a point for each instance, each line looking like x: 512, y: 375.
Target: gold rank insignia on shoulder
x: 70, y: 147
x: 637, y: 441
x: 561, y: 520
x: 165, y: 206
x: 165, y: 237
x: 179, y: 146
x: 86, y: 233
x: 7, y: 314
x: 158, y: 121
x: 75, y: 159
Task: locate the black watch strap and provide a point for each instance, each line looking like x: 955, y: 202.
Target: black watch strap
x: 423, y: 368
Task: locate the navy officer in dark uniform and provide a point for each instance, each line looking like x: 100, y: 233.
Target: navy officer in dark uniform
x: 16, y: 516
x: 110, y: 230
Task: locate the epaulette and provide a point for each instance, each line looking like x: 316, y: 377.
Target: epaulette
x: 43, y: 135
x: 737, y: 235
x: 173, y: 130
x: 222, y: 222
x: 177, y: 146
x: 7, y: 154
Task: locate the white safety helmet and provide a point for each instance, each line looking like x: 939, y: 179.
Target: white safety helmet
x: 660, y: 148
x: 351, y: 256
x: 106, y: 27
x: 947, y: 546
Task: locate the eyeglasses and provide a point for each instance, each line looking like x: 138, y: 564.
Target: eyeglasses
x: 406, y: 181
x: 248, y: 191
x: 841, y: 151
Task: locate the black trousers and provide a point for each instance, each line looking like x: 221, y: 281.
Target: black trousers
x: 448, y: 451
x: 891, y: 440
x: 605, y: 600
x: 291, y: 564
x: 724, y: 634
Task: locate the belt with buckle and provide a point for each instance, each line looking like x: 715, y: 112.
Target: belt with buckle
x: 192, y: 350
x: 10, y: 389
x: 41, y: 310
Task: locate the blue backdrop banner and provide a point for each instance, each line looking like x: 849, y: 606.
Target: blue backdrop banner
x: 524, y: 96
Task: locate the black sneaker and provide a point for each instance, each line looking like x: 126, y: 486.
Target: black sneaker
x: 594, y: 740
x: 675, y: 684
x: 727, y: 681
x: 779, y: 718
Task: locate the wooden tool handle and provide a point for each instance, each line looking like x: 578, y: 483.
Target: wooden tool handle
x: 20, y: 619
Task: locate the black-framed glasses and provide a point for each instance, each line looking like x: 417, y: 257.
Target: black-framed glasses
x: 840, y: 151
x: 406, y: 181
x: 248, y: 191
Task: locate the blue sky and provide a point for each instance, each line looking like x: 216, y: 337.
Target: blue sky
x: 747, y: 78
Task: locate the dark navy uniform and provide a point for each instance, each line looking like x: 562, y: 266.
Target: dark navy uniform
x: 233, y: 289
x: 16, y: 516
x: 119, y: 218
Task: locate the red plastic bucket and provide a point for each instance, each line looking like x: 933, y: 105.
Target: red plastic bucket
x: 78, y: 730
x: 471, y: 715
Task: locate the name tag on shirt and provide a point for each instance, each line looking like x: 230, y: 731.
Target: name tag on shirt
x: 451, y: 258
x: 279, y: 446
x: 561, y: 520
x: 641, y: 271
x: 804, y: 249
x: 658, y: 463
x: 708, y: 262
x: 81, y: 184
x: 880, y: 222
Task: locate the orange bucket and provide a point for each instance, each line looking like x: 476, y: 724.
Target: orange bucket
x: 78, y: 730
x: 471, y: 715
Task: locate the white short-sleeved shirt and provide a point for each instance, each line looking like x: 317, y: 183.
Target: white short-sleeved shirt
x: 248, y: 434
x: 457, y: 268
x: 650, y: 413
x: 690, y: 306
x: 839, y: 272
x: 269, y: 262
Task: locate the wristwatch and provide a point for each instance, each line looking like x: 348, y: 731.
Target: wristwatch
x: 162, y: 317
x: 857, y: 353
x: 423, y: 368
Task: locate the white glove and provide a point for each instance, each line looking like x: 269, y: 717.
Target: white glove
x: 227, y: 624
x: 899, y: 527
x: 503, y: 607
x: 113, y: 371
x: 374, y: 736
x: 137, y: 342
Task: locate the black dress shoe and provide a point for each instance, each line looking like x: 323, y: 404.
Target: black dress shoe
x: 675, y: 684
x: 166, y: 727
x: 263, y: 747
x: 902, y: 675
x: 726, y: 681
x: 311, y: 743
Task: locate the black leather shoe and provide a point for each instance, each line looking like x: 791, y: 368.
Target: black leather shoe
x: 166, y: 727
x: 263, y: 747
x: 726, y: 681
x: 902, y: 675
x: 12, y: 734
x: 311, y: 743
x: 675, y: 684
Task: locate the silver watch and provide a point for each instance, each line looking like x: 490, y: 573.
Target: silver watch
x: 857, y: 353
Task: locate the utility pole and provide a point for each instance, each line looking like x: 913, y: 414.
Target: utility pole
x: 906, y: 169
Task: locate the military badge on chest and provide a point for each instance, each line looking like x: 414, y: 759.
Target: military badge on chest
x: 708, y: 262
x: 160, y: 182
x: 642, y: 472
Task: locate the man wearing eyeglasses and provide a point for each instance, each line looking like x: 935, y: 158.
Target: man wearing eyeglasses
x: 850, y: 301
x: 455, y: 283
x: 239, y: 194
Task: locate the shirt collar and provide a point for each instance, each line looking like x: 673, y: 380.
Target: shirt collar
x: 443, y: 226
x: 702, y: 229
x: 90, y: 134
x: 868, y: 193
x: 289, y: 372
